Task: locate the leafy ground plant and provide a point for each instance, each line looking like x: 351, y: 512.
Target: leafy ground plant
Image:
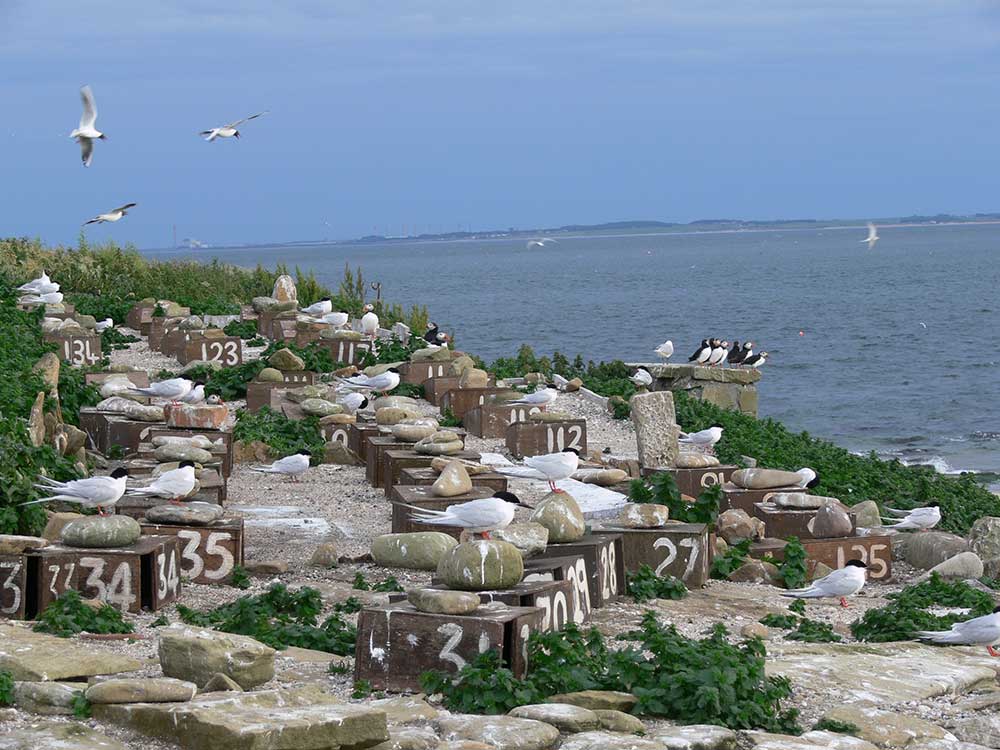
x: 6, y: 688
x: 81, y: 706
x: 723, y: 565
x: 67, y: 615
x: 239, y: 578
x: 644, y: 585
x: 389, y: 584
x: 662, y: 489
x: 282, y: 435
x: 793, y: 569
x: 839, y: 727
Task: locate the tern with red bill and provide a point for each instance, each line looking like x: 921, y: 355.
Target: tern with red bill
x: 92, y: 492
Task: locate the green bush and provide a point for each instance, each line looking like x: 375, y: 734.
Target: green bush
x: 644, y: 585
x: 662, y: 489
x: 792, y: 569
x: 6, y: 688
x: 245, y: 329
x: 723, y: 565
x: 67, y: 615
x: 113, y: 339
x: 282, y: 435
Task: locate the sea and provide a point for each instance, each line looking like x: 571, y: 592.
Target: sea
x: 894, y: 350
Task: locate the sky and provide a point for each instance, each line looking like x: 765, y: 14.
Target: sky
x: 431, y: 115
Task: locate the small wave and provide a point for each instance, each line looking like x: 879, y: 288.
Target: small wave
x: 936, y: 462
x: 985, y: 435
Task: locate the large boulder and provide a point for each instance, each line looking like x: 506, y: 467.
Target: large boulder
x: 984, y: 537
x: 284, y: 289
x: 298, y: 395
x: 32, y: 656
x: 197, y: 654
x: 765, y: 479
x: 831, y: 521
x: 643, y: 515
x: 392, y: 415
x: 101, y: 532
x: 563, y: 716
x: 695, y: 461
x: 141, y: 690
x: 414, y: 430
x: 52, y: 735
x: 421, y: 550
x: 736, y: 526
x: 656, y: 428
x: 441, y: 443
x: 925, y: 549
x: 961, y: 567
x: 131, y: 409
x: 320, y: 407
x: 867, y: 513
x: 481, y: 565
x: 286, y: 359
x: 47, y: 698
x: 561, y: 515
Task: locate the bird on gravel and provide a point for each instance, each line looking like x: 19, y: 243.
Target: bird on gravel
x: 292, y: 466
x: 979, y: 631
x: 842, y: 583
x: 93, y: 492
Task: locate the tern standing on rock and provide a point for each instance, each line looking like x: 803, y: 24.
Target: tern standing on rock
x: 292, y: 466
x: 173, y: 389
x: 842, y: 583
x: 318, y: 309
x: 369, y: 322
x: 477, y: 516
x: 541, y: 397
x: 979, y: 631
x: 550, y: 468
x: 383, y: 383
x: 92, y: 492
x: 87, y: 133
x: 115, y: 214
x: 173, y: 485
x: 230, y: 130
x: 704, y: 438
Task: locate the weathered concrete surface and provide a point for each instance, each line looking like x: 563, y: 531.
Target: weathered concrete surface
x: 36, y: 656
x: 728, y: 388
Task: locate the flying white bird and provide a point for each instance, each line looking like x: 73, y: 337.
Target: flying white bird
x: 42, y: 285
x: 230, y: 130
x: 550, y: 467
x: 704, y: 438
x: 979, y: 631
x: 872, y: 237
x: 665, y: 350
x: 318, y: 309
x: 842, y: 583
x: 173, y: 389
x: 369, y: 322
x: 642, y: 378
x: 195, y: 396
x: 478, y: 516
x: 718, y: 355
x: 174, y: 485
x: 353, y: 402
x: 335, y: 319
x: 115, y: 214
x: 924, y: 518
x: 540, y: 243
x: 92, y: 492
x: 293, y: 466
x: 382, y: 383
x: 51, y: 298
x: 87, y: 133
x: 103, y: 325
x: 541, y: 397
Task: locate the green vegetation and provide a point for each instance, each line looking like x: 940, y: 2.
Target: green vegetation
x: 239, y: 578
x: 362, y: 689
x: 644, y: 585
x: 907, y: 612
x: 81, y: 706
x: 279, y: 618
x: 723, y: 565
x: 349, y: 606
x: 112, y: 338
x: 839, y: 727
x: 707, y: 681
x: 410, y: 390
x: 245, y: 329
x: 6, y: 688
x: 393, y: 350
x: 801, y: 627
x: 389, y: 584
x: 448, y: 419
x: 68, y: 615
x: 662, y: 489
x: 793, y: 564
x: 282, y: 435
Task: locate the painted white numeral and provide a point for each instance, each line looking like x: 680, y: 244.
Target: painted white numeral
x: 212, y: 548
x: 118, y: 591
x: 525, y: 634
x: 581, y: 591
x: 694, y: 545
x: 78, y: 351
x: 612, y: 571
x: 877, y: 566
x: 226, y: 352
x: 559, y: 603
x: 454, y: 633
x: 191, y: 563
x: 709, y: 479
x: 575, y: 437
x: 54, y: 570
x: 168, y: 578
x: 664, y: 541
x: 11, y: 585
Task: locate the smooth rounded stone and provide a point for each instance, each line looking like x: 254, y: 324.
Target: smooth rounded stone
x: 326, y: 555
x: 318, y: 407
x: 960, y: 567
x: 220, y: 683
x: 765, y: 479
x: 443, y: 602
x: 141, y: 690
x: 420, y: 550
x: 605, y: 477
x: 755, y: 630
x: 116, y: 385
x: 619, y: 721
x: 573, y: 385
x: 984, y: 537
x: 796, y: 500
x: 409, y: 738
x: 56, y: 523
x: 392, y: 415
x: 131, y: 409
x: 474, y: 378
x: 286, y: 359
x: 341, y: 334
x: 13, y: 544
x: 604, y: 740
x: 735, y: 526
x: 503, y: 732
x: 550, y: 416
x: 643, y: 516
x: 471, y: 467
x: 189, y: 514
x: 460, y: 365
x: 191, y: 323
x: 413, y: 431
x: 213, y: 333
x: 441, y: 443
x: 198, y: 441
x: 338, y: 419
x: 376, y: 370
x: 925, y: 549
x: 755, y: 571
x: 867, y: 514
x: 696, y: 737
x: 563, y: 716
x: 101, y: 532
x: 559, y: 513
x: 299, y: 395
x: 481, y: 565
x: 529, y: 538
x: 45, y: 698
x: 284, y: 289
x: 613, y: 700
x: 454, y: 480
x: 430, y: 354
x: 270, y: 375
x: 196, y: 654
x: 394, y: 402
x: 87, y: 321
x: 831, y: 521
x: 181, y: 452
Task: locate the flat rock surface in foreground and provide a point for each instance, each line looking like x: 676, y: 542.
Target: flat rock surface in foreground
x: 35, y: 656
x: 51, y: 735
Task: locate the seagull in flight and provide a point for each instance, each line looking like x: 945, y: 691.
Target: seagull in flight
x: 540, y: 243
x: 87, y: 133
x: 872, y: 237
x: 842, y: 583
x: 115, y: 214
x: 230, y: 130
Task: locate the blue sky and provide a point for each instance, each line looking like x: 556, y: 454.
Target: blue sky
x: 432, y: 114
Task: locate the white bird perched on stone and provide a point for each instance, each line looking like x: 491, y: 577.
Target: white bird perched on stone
x: 382, y: 383
x: 478, y: 516
x: 50, y: 298
x: 87, y: 133
x: 103, y: 325
x: 42, y: 285
x: 230, y: 130
x: 540, y: 243
x: 195, y: 396
x: 318, y: 309
x: 808, y: 477
x: 703, y: 352
x: 719, y: 354
x: 92, y: 492
x: 115, y: 214
x: 872, y: 237
x: 335, y: 319
x: 173, y: 485
x: 665, y: 350
x: 541, y: 397
x: 842, y: 583
x: 703, y: 438
x: 173, y: 389
x: 979, y: 631
x: 642, y: 378
x: 353, y: 402
x: 924, y: 518
x: 293, y: 466
x: 369, y: 322
x: 550, y: 467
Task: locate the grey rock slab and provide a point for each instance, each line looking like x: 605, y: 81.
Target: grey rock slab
x: 47, y: 698
x: 610, y: 741
x: 656, y: 429
x: 57, y: 736
x: 36, y: 656
x: 595, y: 699
x: 197, y: 654
x: 141, y: 690
x: 888, y: 729
x: 502, y: 732
x: 188, y: 514
x: 696, y: 737
x: 563, y: 716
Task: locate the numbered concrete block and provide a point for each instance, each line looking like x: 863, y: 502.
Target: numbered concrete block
x: 396, y: 643
x: 782, y: 523
x: 375, y: 459
x: 227, y: 351
x: 460, y: 401
x: 571, y: 569
x: 336, y: 433
x: 692, y: 482
x: 143, y: 576
x: 208, y: 553
x: 492, y: 420
x: 436, y: 387
x: 106, y: 430
x: 14, y: 586
x: 347, y: 352
x: 680, y: 550
x: 417, y: 373
x: 157, y: 330
x: 604, y: 558
x: 873, y: 551
x: 357, y: 437
x: 266, y: 319
x: 283, y: 329
x: 79, y: 351
x: 539, y: 438
x: 140, y: 314
x: 421, y: 497
x: 397, y: 459
x: 425, y: 475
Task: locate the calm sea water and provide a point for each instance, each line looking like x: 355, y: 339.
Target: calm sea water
x: 899, y: 349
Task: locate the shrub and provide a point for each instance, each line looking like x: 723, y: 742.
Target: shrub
x: 644, y: 585
x: 6, y: 688
x: 793, y: 564
x: 282, y: 435
x: 67, y: 615
x: 662, y: 489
